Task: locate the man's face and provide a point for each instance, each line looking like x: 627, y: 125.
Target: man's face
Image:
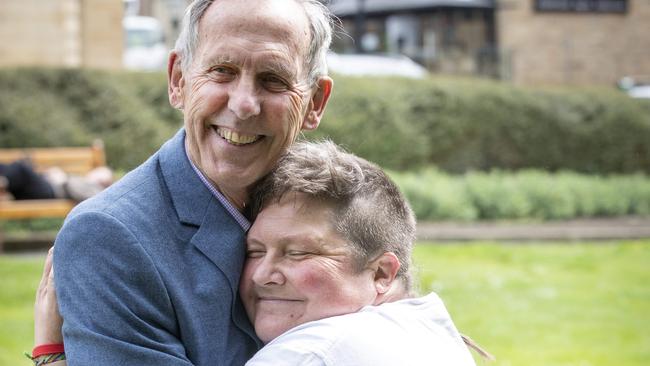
x: 246, y: 97
x: 299, y: 269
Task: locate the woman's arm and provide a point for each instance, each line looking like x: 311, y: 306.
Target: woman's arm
x: 47, y: 320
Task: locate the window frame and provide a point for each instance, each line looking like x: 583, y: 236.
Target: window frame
x: 581, y: 6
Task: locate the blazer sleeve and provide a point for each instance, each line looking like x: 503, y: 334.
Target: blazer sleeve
x: 115, y: 306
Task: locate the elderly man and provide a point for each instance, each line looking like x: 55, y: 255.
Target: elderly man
x: 326, y: 279
x: 147, y: 272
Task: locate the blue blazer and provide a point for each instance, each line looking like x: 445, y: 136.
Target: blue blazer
x: 147, y: 272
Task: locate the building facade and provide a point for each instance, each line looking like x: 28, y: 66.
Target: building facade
x: 575, y: 42
x: 446, y: 36
x: 528, y: 42
x: 61, y: 33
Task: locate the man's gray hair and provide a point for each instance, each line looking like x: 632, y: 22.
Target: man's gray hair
x: 320, y: 23
x: 368, y: 209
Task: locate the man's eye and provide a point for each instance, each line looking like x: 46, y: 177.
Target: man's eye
x: 274, y: 83
x: 223, y: 70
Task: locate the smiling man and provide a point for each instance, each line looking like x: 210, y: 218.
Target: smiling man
x: 148, y: 271
x: 247, y: 93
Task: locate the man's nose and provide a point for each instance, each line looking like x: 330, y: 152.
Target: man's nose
x: 268, y: 273
x: 243, y: 99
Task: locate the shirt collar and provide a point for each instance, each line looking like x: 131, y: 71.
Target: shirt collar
x: 234, y: 212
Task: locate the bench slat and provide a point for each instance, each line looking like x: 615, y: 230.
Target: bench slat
x: 30, y: 209
x: 79, y: 159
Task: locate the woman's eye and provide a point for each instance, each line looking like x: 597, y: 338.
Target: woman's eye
x: 298, y: 254
x: 254, y: 253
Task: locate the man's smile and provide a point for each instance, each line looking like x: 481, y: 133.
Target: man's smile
x: 236, y: 138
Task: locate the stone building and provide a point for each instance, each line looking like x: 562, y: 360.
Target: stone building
x: 447, y: 36
x: 168, y: 12
x: 573, y: 41
x: 68, y: 33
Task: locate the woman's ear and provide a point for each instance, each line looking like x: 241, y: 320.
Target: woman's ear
x: 385, y: 268
x: 175, y: 80
x: 317, y: 103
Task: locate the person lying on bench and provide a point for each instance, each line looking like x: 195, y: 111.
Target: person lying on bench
x: 19, y: 181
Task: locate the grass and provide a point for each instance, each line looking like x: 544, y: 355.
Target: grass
x: 561, y: 304
x: 551, y: 304
x: 19, y: 278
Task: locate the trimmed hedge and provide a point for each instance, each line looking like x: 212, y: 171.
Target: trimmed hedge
x: 496, y: 195
x: 458, y: 125
x: 471, y: 124
x: 69, y: 107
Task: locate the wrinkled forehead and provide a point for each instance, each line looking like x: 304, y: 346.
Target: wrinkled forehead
x: 282, y: 21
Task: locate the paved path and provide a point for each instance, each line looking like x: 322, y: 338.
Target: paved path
x: 584, y: 229
x: 571, y: 230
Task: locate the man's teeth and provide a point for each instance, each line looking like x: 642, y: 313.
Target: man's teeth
x: 236, y: 138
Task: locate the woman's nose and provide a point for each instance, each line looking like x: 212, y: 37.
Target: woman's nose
x: 268, y: 273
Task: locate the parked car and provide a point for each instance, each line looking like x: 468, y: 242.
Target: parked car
x: 374, y: 65
x: 144, y: 44
x: 636, y: 86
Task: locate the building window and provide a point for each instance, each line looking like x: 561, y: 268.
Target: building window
x: 582, y: 6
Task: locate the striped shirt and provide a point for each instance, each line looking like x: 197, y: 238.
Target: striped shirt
x: 234, y: 212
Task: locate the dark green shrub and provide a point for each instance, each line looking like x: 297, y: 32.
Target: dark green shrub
x: 458, y: 125
x: 67, y: 107
x: 472, y: 124
x: 367, y: 116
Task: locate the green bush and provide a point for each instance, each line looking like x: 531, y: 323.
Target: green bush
x: 69, y: 107
x: 526, y: 194
x: 458, y: 125
x: 461, y: 125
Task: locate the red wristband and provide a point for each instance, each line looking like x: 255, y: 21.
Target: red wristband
x: 47, y: 349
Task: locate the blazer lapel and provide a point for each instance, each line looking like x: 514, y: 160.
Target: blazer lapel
x: 219, y: 237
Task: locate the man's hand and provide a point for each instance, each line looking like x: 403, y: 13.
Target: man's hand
x: 47, y: 320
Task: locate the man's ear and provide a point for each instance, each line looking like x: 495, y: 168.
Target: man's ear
x: 385, y: 268
x: 175, y: 80
x: 317, y: 103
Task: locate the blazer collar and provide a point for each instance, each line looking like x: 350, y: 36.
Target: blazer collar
x: 189, y: 196
x: 219, y: 237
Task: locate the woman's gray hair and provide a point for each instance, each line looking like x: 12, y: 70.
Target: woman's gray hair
x: 320, y: 24
x: 368, y: 209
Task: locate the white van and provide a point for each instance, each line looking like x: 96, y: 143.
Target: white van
x: 144, y: 44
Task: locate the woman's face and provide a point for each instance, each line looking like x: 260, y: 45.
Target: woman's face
x: 299, y: 269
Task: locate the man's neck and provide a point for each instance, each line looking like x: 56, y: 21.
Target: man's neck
x: 237, y: 198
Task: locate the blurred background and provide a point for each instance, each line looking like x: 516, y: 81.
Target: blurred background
x: 519, y: 130
x: 526, y: 42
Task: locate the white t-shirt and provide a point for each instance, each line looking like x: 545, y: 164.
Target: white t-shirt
x: 407, y: 332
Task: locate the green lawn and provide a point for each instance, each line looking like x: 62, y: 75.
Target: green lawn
x: 532, y: 304
x: 19, y: 277
x: 547, y: 305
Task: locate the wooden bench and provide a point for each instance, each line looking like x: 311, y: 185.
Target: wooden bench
x: 72, y: 160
